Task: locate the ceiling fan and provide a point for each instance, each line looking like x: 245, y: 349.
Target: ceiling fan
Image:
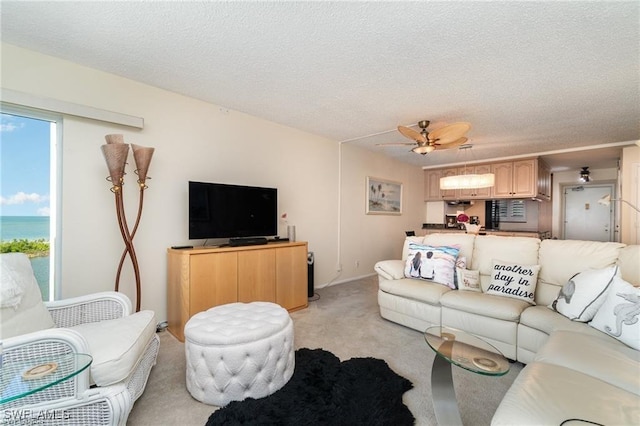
x: 446, y: 137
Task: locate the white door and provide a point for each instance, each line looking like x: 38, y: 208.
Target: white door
x: 584, y: 218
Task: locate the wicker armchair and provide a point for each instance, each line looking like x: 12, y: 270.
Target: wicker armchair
x: 78, y: 400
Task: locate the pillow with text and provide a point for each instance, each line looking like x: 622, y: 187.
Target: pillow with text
x: 513, y: 280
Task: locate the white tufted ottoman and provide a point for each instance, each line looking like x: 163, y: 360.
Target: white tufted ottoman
x: 238, y: 351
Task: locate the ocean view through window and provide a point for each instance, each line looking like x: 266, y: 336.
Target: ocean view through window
x: 27, y: 182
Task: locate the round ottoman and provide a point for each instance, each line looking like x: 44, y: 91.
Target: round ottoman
x: 238, y: 351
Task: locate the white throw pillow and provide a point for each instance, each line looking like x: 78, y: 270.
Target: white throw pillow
x: 11, y: 289
x: 431, y: 263
x: 468, y: 280
x: 513, y: 280
x: 584, y: 293
x: 619, y: 315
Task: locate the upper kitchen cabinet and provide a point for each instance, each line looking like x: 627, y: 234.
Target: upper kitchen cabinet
x: 432, y: 185
x: 516, y: 179
x: 475, y: 193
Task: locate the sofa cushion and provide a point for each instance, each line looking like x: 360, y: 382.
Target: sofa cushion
x: 548, y: 394
x: 580, y: 298
x: 619, y: 315
x: 26, y: 312
x: 597, y: 356
x: 423, y: 291
x: 432, y: 263
x: 521, y: 250
x: 547, y: 320
x: 562, y: 259
x: 514, y: 280
x: 464, y: 242
x: 497, y: 307
x: 117, y: 345
x: 629, y: 265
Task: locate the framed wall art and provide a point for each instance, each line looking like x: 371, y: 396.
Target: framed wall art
x: 383, y: 196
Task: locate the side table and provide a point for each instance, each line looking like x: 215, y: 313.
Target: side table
x: 465, y: 350
x: 19, y: 379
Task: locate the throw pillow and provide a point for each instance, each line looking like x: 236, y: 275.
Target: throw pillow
x: 468, y: 280
x: 431, y: 263
x: 11, y: 290
x: 461, y: 263
x: 513, y: 280
x: 584, y: 293
x: 619, y: 315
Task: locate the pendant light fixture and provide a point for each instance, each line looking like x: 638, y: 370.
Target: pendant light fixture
x: 467, y: 181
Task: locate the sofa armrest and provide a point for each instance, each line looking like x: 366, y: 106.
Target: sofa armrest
x: 90, y: 308
x: 390, y: 269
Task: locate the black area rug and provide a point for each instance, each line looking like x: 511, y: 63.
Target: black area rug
x: 325, y: 391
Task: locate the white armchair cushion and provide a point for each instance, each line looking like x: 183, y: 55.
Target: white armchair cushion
x: 117, y: 345
x: 29, y: 313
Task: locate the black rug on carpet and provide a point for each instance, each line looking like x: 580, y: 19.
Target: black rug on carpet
x: 325, y: 391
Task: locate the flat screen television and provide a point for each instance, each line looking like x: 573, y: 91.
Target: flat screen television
x: 218, y: 210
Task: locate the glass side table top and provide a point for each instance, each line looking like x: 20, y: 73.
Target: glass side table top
x: 19, y: 379
x: 466, y: 351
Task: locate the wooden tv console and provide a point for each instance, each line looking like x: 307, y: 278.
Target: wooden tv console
x: 201, y: 278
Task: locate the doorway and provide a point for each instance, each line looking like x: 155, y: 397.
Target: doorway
x: 584, y: 218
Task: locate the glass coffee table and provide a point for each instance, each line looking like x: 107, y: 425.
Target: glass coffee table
x: 457, y: 347
x: 22, y: 378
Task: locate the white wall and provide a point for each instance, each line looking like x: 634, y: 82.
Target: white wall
x: 195, y: 140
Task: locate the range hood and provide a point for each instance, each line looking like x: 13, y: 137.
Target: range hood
x: 459, y: 203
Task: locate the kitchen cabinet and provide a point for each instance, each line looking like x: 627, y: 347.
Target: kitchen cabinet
x: 201, y: 278
x: 515, y: 179
x: 432, y: 185
x: 474, y: 193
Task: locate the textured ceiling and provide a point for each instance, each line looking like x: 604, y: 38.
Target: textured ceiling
x: 531, y: 77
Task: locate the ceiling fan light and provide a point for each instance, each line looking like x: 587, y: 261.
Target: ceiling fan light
x: 584, y: 175
x: 486, y: 180
x: 424, y: 150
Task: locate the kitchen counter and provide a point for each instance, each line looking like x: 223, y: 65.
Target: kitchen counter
x: 533, y: 234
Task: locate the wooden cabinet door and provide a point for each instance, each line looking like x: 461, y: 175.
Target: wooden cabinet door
x: 525, y: 182
x: 503, y: 187
x: 291, y: 277
x: 475, y: 193
x: 257, y: 275
x: 450, y: 194
x: 213, y: 280
x: 432, y: 185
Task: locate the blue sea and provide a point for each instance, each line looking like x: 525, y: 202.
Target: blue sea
x: 29, y: 228
x: 24, y: 227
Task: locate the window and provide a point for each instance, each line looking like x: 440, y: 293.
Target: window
x: 511, y: 210
x: 28, y: 188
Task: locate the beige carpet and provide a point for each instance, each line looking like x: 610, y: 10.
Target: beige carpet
x: 346, y: 321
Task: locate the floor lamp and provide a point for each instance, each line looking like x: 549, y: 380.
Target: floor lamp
x: 115, y: 153
x: 606, y: 200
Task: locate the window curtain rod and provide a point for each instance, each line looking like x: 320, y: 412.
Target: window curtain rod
x: 62, y: 107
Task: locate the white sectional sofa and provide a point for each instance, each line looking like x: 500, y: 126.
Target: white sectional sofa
x: 573, y: 369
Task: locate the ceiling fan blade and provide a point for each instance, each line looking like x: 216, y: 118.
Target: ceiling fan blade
x: 412, y: 134
x: 396, y: 144
x: 453, y: 144
x: 450, y: 133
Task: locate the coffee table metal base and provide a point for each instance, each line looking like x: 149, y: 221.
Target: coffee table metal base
x: 445, y: 403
